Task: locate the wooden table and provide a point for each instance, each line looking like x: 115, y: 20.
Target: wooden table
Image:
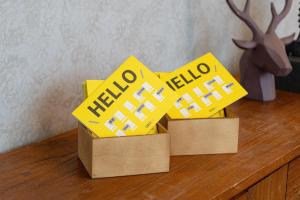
x: 266, y: 166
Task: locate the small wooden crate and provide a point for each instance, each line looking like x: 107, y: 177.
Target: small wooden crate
x: 203, y: 136
x: 121, y: 156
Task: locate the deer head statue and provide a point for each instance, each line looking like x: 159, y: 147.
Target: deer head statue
x: 264, y: 55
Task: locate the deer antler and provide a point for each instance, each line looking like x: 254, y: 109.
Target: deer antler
x: 245, y: 17
x: 276, y: 18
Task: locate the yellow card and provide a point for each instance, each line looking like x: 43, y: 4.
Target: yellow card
x: 89, y: 86
x: 130, y: 102
x: 219, y: 114
x: 205, y: 87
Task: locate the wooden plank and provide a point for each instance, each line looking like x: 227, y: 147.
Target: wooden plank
x: 205, y: 136
x: 293, y: 185
x: 133, y: 155
x: 272, y: 187
x: 242, y: 196
x: 269, y: 138
x: 85, y: 148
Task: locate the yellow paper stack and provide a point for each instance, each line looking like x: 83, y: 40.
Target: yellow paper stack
x: 205, y: 88
x: 130, y: 102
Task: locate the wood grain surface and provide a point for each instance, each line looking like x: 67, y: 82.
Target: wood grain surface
x: 269, y: 138
x: 293, y: 185
x: 273, y: 187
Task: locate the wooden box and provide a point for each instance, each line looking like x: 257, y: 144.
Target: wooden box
x: 203, y: 136
x: 121, y: 156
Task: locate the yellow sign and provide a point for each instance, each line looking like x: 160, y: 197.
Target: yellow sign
x: 205, y: 87
x: 130, y: 102
x: 89, y: 86
x: 219, y: 114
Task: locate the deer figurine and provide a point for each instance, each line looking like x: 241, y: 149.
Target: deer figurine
x: 264, y: 55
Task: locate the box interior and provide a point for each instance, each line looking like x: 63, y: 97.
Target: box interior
x: 166, y: 118
x: 161, y: 128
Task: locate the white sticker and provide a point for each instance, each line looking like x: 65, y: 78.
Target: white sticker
x: 197, y: 91
x: 219, y: 80
x: 138, y: 96
x: 129, y: 106
x: 120, y: 116
x: 158, y: 95
x: 187, y: 97
x: 177, y: 104
x: 131, y: 124
x: 149, y: 106
x: 217, y: 95
x: 120, y: 133
x: 206, y: 101
x: 184, y: 112
x: 208, y: 84
x: 227, y: 88
x: 196, y: 107
x: 147, y: 86
x: 109, y: 124
x: 140, y: 115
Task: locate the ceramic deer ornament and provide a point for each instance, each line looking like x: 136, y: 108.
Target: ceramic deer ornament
x: 264, y: 55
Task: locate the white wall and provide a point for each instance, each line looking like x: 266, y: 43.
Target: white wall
x: 48, y: 47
